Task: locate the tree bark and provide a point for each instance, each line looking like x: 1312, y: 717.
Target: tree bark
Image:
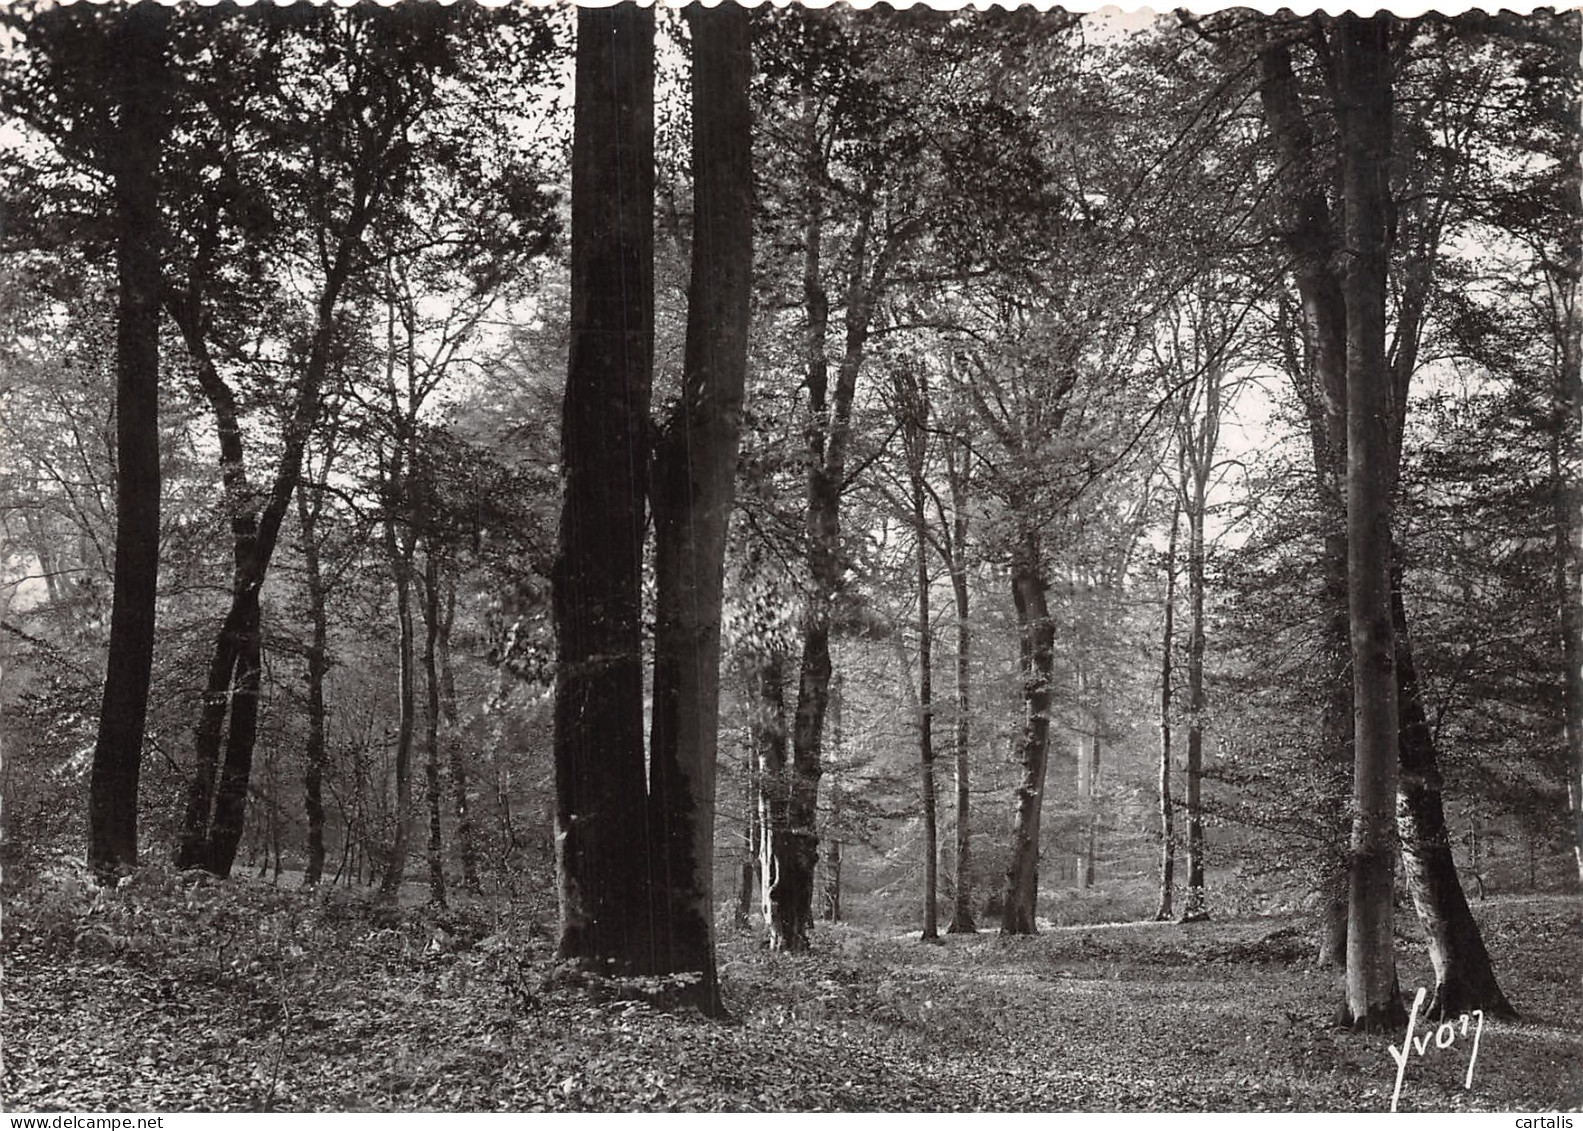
x: 398, y: 549
x: 912, y: 407
x: 601, y: 803
x: 212, y: 828
x: 1364, y: 110
x: 694, y: 488
x: 832, y: 868
x: 1201, y: 436
x: 431, y: 736
x: 318, y: 666
x: 1464, y: 976
x: 466, y: 840
x: 1091, y: 834
x: 1167, y: 643
x: 962, y: 921
x: 1038, y: 642
x: 751, y: 835
x: 1195, y: 910
x: 931, y: 852
x: 1308, y: 233
x: 143, y: 81
x: 769, y: 743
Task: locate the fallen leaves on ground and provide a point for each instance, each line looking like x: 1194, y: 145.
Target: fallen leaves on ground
x: 177, y: 993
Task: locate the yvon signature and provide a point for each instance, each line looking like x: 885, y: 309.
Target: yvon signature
x: 1444, y: 1036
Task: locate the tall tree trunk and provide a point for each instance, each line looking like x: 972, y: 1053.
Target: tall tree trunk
x: 931, y: 853
x: 1464, y: 977
x: 1308, y: 233
x: 769, y: 744
x: 230, y: 798
x: 694, y: 488
x: 212, y: 828
x: 1038, y: 644
x: 318, y: 665
x: 399, y: 551
x: 601, y: 799
x: 962, y: 921
x: 832, y: 868
x: 1167, y: 643
x: 466, y: 840
x: 1197, y: 701
x: 142, y: 79
x: 1566, y: 466
x: 1085, y: 765
x: 827, y: 435
x: 1092, y: 832
x: 431, y: 737
x: 751, y: 833
x: 1364, y: 109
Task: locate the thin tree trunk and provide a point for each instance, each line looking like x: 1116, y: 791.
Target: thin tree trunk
x: 1038, y: 644
x: 143, y: 79
x: 466, y: 840
x: 962, y: 921
x: 1197, y: 701
x: 693, y: 491
x: 832, y: 872
x: 827, y: 434
x: 1566, y: 466
x: 601, y: 797
x: 399, y: 551
x: 1167, y: 644
x: 752, y: 832
x: 431, y: 737
x: 318, y: 665
x: 1094, y: 748
x: 931, y: 879
x: 1084, y: 783
x: 769, y: 743
x: 1364, y: 110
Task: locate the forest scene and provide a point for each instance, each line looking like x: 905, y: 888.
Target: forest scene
x: 784, y: 559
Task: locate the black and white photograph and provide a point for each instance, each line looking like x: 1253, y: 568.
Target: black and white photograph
x: 656, y: 558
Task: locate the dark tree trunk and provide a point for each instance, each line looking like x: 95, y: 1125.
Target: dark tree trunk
x: 1092, y: 832
x: 1464, y: 977
x: 318, y: 666
x: 212, y: 828
x: 399, y: 550
x: 1321, y: 377
x: 751, y: 833
x: 694, y: 487
x: 1167, y: 643
x: 601, y: 800
x: 1038, y: 644
x: 1566, y: 468
x: 1364, y: 109
x: 832, y: 868
x: 466, y: 842
x: 912, y: 407
x: 431, y: 737
x: 142, y: 78
x: 827, y: 435
x: 230, y: 798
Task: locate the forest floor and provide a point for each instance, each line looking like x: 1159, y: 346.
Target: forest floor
x: 177, y: 993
